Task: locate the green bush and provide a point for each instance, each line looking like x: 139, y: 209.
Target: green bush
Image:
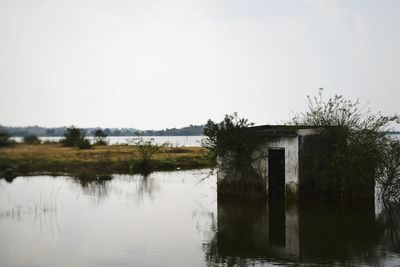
x: 75, y: 137
x: 100, y: 138
x: 146, y: 149
x: 72, y: 136
x: 231, y: 149
x: 230, y: 142
x: 357, y: 143
x: 5, y: 139
x: 83, y: 144
x: 31, y: 139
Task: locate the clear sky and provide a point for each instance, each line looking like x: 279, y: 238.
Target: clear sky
x: 153, y: 64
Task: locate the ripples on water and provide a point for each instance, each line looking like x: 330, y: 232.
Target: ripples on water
x: 167, y: 219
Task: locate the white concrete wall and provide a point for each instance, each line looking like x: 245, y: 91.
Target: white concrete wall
x: 291, y: 146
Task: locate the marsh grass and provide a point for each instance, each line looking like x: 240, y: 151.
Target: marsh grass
x: 55, y: 158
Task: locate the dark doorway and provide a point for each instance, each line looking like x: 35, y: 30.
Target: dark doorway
x: 276, y: 174
x: 276, y: 193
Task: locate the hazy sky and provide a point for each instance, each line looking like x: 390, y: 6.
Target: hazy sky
x: 156, y: 64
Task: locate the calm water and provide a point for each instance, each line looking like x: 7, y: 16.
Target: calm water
x: 167, y: 219
x: 114, y: 140
x: 172, y: 140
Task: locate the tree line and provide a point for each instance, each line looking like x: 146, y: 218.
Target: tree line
x: 191, y: 130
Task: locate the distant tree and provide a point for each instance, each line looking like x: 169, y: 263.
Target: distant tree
x: 75, y: 137
x: 50, y: 132
x: 71, y: 136
x: 5, y: 139
x: 31, y: 139
x: 107, y: 131
x: 100, y: 137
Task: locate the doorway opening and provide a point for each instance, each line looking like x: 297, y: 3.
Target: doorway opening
x: 276, y: 174
x: 276, y: 194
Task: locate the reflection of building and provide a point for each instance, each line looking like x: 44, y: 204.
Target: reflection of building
x: 251, y: 230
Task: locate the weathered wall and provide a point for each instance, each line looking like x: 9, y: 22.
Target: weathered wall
x: 235, y: 181
x: 309, y: 164
x: 291, y: 146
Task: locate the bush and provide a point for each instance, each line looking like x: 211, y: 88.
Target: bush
x: 230, y: 142
x: 231, y: 148
x: 146, y: 149
x: 100, y: 138
x: 5, y: 139
x: 75, y: 137
x: 83, y: 144
x: 389, y: 172
x: 357, y: 141
x: 31, y: 139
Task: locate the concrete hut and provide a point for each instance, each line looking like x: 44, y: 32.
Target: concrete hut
x: 282, y: 160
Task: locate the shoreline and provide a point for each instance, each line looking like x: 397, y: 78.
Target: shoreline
x: 53, y: 159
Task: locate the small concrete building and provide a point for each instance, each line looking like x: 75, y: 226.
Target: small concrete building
x: 282, y: 158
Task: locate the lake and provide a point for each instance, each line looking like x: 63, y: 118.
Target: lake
x: 115, y: 140
x: 172, y: 140
x: 170, y: 219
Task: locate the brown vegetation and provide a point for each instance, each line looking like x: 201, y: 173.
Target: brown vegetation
x: 23, y: 158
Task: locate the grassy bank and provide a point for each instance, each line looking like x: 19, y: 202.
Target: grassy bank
x: 23, y: 159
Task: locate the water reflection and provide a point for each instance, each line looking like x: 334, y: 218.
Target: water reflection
x: 255, y: 231
x: 147, y: 186
x: 100, y: 187
x: 140, y: 221
x: 389, y: 220
x: 94, y: 185
x: 169, y: 219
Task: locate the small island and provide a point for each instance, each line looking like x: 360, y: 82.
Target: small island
x: 25, y: 159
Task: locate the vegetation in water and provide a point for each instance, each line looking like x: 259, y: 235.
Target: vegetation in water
x: 388, y: 176
x: 355, y: 147
x: 354, y: 150
x: 231, y: 149
x: 146, y: 150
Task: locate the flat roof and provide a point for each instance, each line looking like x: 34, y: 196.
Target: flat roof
x: 281, y: 130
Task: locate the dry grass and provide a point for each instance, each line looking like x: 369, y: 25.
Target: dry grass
x: 25, y: 158
x: 113, y: 153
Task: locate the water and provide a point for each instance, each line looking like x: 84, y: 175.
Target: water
x: 168, y: 219
x: 172, y: 140
x: 115, y: 140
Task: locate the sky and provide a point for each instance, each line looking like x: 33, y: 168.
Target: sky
x: 155, y: 64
